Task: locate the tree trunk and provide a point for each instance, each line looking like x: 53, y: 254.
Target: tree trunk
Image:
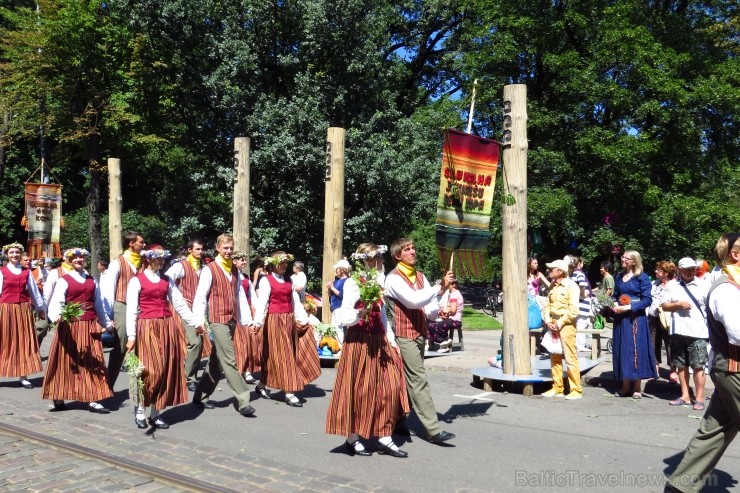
x: 93, y: 202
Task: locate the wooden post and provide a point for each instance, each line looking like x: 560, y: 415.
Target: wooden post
x: 516, y: 359
x: 333, y: 212
x: 241, y: 194
x: 115, y: 204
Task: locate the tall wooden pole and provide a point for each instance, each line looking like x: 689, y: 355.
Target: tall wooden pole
x: 115, y: 205
x: 516, y: 331
x: 241, y: 194
x: 333, y: 212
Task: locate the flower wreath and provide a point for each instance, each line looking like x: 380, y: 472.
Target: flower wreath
x: 73, y: 252
x: 364, y: 256
x: 279, y: 259
x: 152, y: 254
x: 15, y: 244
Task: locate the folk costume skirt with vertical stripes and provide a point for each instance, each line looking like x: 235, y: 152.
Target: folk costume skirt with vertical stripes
x: 289, y: 359
x: 370, y: 391
x: 247, y: 349
x: 159, y: 348
x: 19, y: 348
x: 76, y: 368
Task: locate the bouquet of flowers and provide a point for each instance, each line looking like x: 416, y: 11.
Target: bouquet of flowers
x: 136, y: 372
x: 72, y: 312
x: 328, y: 338
x: 603, y: 303
x: 370, y: 295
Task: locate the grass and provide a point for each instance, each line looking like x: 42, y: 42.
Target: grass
x: 477, y: 320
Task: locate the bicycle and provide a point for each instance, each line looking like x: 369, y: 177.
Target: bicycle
x: 494, y: 302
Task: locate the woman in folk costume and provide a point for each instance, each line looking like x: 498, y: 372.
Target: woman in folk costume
x: 247, y: 341
x: 76, y: 368
x: 155, y: 335
x: 369, y: 391
x: 19, y: 348
x: 289, y: 357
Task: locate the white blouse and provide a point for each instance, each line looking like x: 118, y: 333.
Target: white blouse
x: 36, y: 299
x: 59, y: 294
x: 263, y: 301
x: 132, y: 302
x: 348, y: 315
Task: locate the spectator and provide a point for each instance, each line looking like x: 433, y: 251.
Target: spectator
x: 607, y: 281
x: 633, y: 358
x: 686, y: 299
x: 536, y: 280
x: 442, y: 329
x: 336, y: 293
x: 583, y: 322
x: 298, y: 280
x: 659, y: 320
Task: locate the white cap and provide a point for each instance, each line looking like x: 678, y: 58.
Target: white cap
x: 342, y: 264
x: 687, y: 263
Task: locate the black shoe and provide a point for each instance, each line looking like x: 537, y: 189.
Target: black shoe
x: 441, y: 437
x: 247, y: 411
x: 669, y: 488
x: 158, y: 423
x: 60, y: 406
x: 403, y: 430
x: 192, y: 386
x: 293, y: 402
x: 351, y: 450
x: 386, y: 450
x: 264, y: 393
x: 204, y: 404
x: 98, y: 409
x: 25, y: 384
x: 140, y: 423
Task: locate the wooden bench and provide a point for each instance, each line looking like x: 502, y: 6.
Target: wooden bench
x: 595, y: 341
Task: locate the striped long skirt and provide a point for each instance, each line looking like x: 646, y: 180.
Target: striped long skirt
x: 159, y: 348
x: 247, y: 349
x: 289, y: 360
x: 19, y: 348
x: 370, y: 391
x: 76, y: 368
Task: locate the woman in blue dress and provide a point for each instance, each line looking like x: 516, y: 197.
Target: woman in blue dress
x: 633, y: 358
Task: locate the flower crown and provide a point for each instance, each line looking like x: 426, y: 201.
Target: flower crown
x: 364, y: 256
x: 279, y: 259
x: 73, y: 252
x: 236, y: 254
x: 15, y: 244
x: 152, y: 254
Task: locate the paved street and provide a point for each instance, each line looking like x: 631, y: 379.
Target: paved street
x: 505, y: 441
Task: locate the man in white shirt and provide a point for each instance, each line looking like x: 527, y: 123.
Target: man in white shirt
x: 299, y: 280
x: 721, y: 422
x: 686, y: 299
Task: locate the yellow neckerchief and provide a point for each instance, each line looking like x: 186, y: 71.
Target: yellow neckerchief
x: 733, y: 272
x: 194, y: 262
x: 134, y: 258
x: 226, y: 263
x: 408, y: 271
x: 66, y: 267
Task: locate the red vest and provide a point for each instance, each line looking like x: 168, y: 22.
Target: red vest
x: 153, y: 301
x: 245, y: 287
x: 222, y: 297
x: 188, y: 284
x: 124, y: 276
x: 410, y: 323
x: 281, y: 296
x: 84, y: 294
x: 15, y: 289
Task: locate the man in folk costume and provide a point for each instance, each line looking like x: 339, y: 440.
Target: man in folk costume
x: 721, y: 421
x: 185, y: 274
x: 114, y: 287
x: 221, y: 290
x: 411, y: 301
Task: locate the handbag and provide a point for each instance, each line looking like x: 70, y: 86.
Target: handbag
x: 552, y: 344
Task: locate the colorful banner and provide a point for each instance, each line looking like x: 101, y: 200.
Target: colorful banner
x: 466, y: 184
x: 43, y: 213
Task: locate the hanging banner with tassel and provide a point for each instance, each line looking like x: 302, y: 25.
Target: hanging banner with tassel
x: 466, y: 185
x: 43, y: 218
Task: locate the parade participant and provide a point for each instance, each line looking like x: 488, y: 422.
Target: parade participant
x: 42, y: 323
x: 219, y: 287
x: 19, y: 348
x: 258, y: 273
x: 76, y: 368
x: 369, y: 391
x: 247, y: 340
x: 113, y: 287
x: 289, y: 357
x: 633, y: 357
x: 411, y: 301
x: 154, y: 334
x: 185, y: 274
x: 560, y: 315
x: 721, y: 421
